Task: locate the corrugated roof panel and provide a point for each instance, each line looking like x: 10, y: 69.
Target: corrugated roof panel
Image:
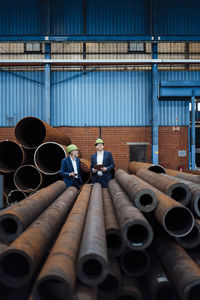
x: 21, y: 95
x: 101, y: 98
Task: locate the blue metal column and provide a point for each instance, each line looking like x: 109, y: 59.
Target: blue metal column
x: 47, y: 87
x: 193, y: 154
x: 155, y: 105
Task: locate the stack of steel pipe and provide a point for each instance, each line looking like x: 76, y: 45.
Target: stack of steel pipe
x: 34, y: 162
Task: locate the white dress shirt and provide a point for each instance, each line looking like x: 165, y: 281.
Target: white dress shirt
x: 74, y: 166
x: 100, y: 161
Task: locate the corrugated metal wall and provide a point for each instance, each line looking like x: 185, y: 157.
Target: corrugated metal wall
x: 103, y: 17
x: 21, y: 95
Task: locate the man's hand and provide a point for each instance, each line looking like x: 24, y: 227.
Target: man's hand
x: 72, y: 174
x: 104, y: 169
x: 94, y: 170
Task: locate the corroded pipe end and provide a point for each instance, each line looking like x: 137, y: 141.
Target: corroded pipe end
x: 178, y: 221
x: 146, y: 200
x: 11, y: 156
x: 138, y: 234
x: 192, y: 291
x: 15, y: 268
x: 92, y: 269
x: 195, y: 204
x: 180, y: 192
x: 192, y: 239
x: 10, y: 227
x: 15, y: 196
x: 135, y: 263
x: 28, y: 178
x: 114, y: 242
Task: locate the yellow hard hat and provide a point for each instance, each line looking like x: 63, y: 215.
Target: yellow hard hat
x: 71, y: 148
x: 99, y: 141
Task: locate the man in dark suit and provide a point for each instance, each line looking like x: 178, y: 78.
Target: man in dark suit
x: 101, y: 164
x: 71, y: 168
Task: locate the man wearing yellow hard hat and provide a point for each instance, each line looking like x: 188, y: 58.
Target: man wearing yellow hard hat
x: 101, y: 164
x: 71, y: 168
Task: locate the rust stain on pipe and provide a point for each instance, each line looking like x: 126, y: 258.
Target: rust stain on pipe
x: 136, y: 230
x: 115, y: 244
x: 20, y: 260
x: 184, y: 175
x: 85, y: 170
x: 58, y: 273
x: 134, y: 166
x: 92, y: 263
x: 16, y: 218
x: 31, y: 132
x: 130, y: 289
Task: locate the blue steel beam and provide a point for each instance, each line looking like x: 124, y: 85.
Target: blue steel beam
x: 193, y: 154
x: 155, y: 105
x: 47, y: 88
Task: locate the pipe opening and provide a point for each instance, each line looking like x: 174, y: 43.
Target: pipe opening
x: 15, y: 265
x: 109, y: 285
x: 27, y: 178
x: 198, y: 204
x: 30, y: 132
x: 113, y: 241
x: 11, y: 156
x: 157, y: 169
x: 15, y: 196
x: 127, y: 297
x: 146, y: 200
x: 178, y: 221
x: 135, y: 262
x: 8, y: 226
x: 52, y: 289
x: 192, y: 236
x: 48, y: 158
x: 137, y: 235
x: 179, y: 194
x: 92, y: 268
x: 165, y: 293
x: 194, y: 293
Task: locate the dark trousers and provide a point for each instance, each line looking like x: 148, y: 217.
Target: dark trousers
x: 76, y: 183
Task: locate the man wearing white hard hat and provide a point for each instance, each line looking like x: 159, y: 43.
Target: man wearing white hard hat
x: 70, y: 168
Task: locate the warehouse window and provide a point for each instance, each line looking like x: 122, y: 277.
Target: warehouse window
x: 136, y: 47
x: 32, y: 48
x: 138, y: 151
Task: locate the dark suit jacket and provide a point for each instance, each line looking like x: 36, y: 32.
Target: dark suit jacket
x: 67, y: 167
x: 108, y: 163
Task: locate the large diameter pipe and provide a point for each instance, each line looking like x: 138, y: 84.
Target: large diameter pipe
x: 159, y: 284
x: 11, y: 156
x: 15, y: 196
x: 48, y: 157
x: 130, y: 289
x: 85, y: 170
x: 136, y: 230
x: 176, y: 219
x: 20, y: 260
x: 31, y: 132
x: 58, y: 274
x: 139, y: 193
x: 183, y: 271
x: 195, y: 191
x: 16, y: 218
x: 184, y: 175
x: 134, y: 166
x: 27, y: 178
x: 92, y: 263
x: 192, y: 239
x: 111, y: 286
x: 114, y: 241
x: 176, y: 190
x: 134, y: 263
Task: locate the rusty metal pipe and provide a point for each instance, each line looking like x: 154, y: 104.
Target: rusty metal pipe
x: 136, y: 230
x: 183, y: 271
x: 20, y: 260
x: 176, y: 190
x: 92, y: 263
x: 27, y: 178
x: 192, y: 239
x: 85, y: 170
x: 48, y: 157
x: 159, y: 284
x: 111, y: 286
x: 184, y: 175
x: 115, y: 244
x: 176, y: 219
x: 15, y: 196
x: 59, y: 271
x: 130, y: 289
x: 134, y: 166
x: 16, y: 218
x: 84, y: 292
x: 11, y: 156
x: 134, y: 263
x: 138, y: 191
x: 31, y: 132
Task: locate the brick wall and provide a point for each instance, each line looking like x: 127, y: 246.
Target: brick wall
x: 116, y: 139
